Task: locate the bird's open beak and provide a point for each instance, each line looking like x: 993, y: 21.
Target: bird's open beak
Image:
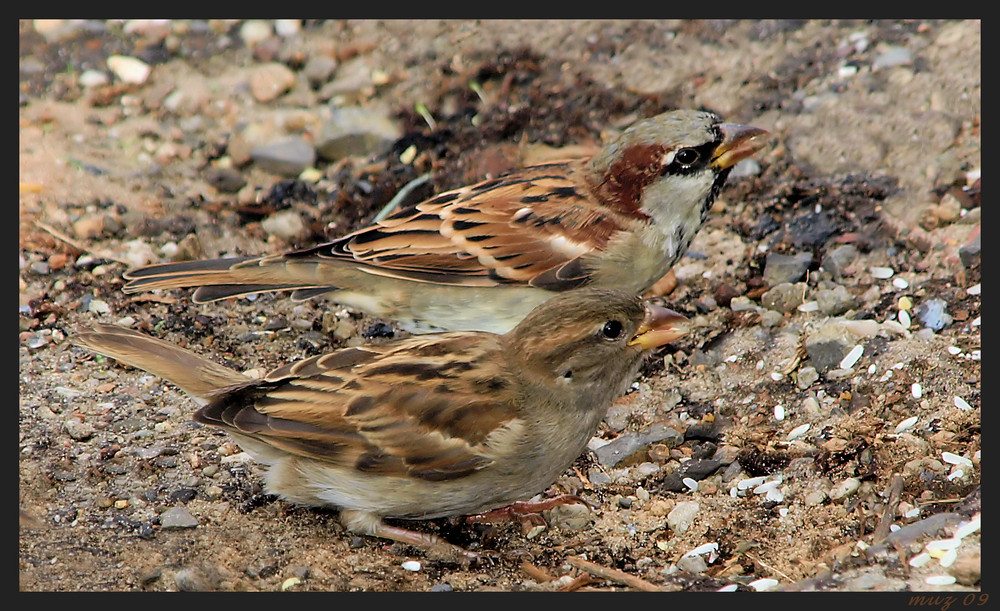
x: 738, y: 143
x: 661, y: 326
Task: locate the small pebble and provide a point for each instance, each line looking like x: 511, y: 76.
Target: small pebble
x: 411, y: 565
x: 916, y: 390
x: 900, y: 283
x: 851, y: 358
x: 907, y: 424
x: 129, y: 70
x: 904, y: 319
x: 779, y: 412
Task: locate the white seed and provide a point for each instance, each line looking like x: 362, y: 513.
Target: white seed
x: 809, y: 306
x: 732, y: 587
x: 920, y: 559
x: 774, y: 495
x: 912, y: 513
x: 900, y: 283
x: 797, y: 432
x: 907, y: 424
x: 872, y: 369
x: 916, y: 390
x: 701, y: 550
x: 953, y: 350
x: 763, y: 584
x: 893, y: 527
x: 291, y: 582
x: 750, y: 482
x: 942, y: 544
x: 411, y: 565
x: 779, y: 412
x: 882, y: 273
x: 956, y: 474
x: 784, y: 512
x: 765, y: 487
x: 776, y: 376
x: 940, y: 580
x: 852, y: 357
x: 949, y: 558
x: 975, y: 289
x: 962, y: 404
x: 690, y: 483
x: 904, y: 318
x: 976, y: 321
x: 955, y: 459
x: 967, y: 528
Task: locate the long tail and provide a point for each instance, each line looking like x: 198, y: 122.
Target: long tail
x: 195, y: 374
x: 217, y: 279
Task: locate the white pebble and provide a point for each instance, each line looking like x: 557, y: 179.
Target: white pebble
x: 779, y: 412
x: 774, y: 495
x: 975, y: 289
x: 797, y: 432
x: 776, y: 376
x: 690, y: 483
x: 764, y: 584
x: 956, y: 474
x: 916, y: 390
x: 411, y: 565
x: 904, y: 318
x: 852, y: 357
x: 905, y: 425
x: 940, y: 580
x: 130, y: 70
x: 955, y: 459
x: 882, y: 273
x: 962, y: 404
x: 900, y: 283
x: 732, y: 587
x: 953, y: 350
x: 783, y: 512
x: 872, y: 369
x: 920, y: 559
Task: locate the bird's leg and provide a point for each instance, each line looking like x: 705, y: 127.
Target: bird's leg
x: 365, y: 523
x: 527, y: 512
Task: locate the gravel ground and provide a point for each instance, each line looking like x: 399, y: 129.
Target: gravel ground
x: 820, y: 432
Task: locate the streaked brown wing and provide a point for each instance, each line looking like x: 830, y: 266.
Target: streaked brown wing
x: 408, y: 410
x: 531, y: 227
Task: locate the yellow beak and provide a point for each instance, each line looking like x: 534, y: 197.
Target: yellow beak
x: 661, y: 326
x: 738, y: 143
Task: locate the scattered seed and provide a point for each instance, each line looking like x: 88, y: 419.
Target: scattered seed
x: 779, y: 412
x: 900, y: 283
x: 291, y: 582
x: 766, y: 584
x: 962, y: 404
x: 956, y: 474
x: 953, y: 350
x: 907, y: 424
x: 411, y: 565
x: 776, y: 376
x: 920, y: 559
x: 942, y: 544
x: 701, y: 550
x: 916, y: 390
x: 949, y: 558
x: 955, y: 459
x: 852, y: 357
x: 967, y: 528
x: 940, y: 580
x: 809, y: 306
x: 872, y: 369
x: 882, y: 273
x: 797, y: 432
x: 732, y: 587
x: 975, y: 289
x: 904, y: 318
x: 913, y: 513
x: 750, y: 482
x: 690, y: 483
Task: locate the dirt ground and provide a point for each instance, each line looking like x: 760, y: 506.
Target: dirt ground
x: 876, y: 144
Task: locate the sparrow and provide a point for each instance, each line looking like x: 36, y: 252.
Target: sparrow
x: 428, y: 426
x: 482, y: 256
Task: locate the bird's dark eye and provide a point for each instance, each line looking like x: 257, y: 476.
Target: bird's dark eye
x: 612, y: 330
x: 686, y: 156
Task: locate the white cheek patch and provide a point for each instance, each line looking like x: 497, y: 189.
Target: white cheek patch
x: 668, y: 158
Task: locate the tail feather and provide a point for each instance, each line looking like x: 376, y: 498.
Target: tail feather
x: 193, y: 373
x: 217, y: 279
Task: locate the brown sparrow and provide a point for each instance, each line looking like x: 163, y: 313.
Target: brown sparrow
x: 429, y: 426
x: 482, y: 256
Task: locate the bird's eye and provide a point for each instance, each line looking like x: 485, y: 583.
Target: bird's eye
x: 686, y: 156
x: 612, y: 330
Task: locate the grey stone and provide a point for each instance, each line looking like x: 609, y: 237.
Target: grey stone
x: 780, y: 268
x: 839, y: 260
x: 287, y: 156
x: 682, y: 516
x: 932, y: 314
x: 835, y: 301
x: 784, y: 297
x: 628, y: 444
x: 828, y: 345
x: 177, y: 518
x: 692, y: 564
x: 318, y: 69
x: 81, y: 431
x: 970, y: 253
x: 355, y: 132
